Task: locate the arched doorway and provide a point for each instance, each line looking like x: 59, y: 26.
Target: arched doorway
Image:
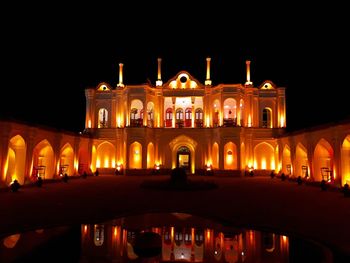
x: 183, y: 157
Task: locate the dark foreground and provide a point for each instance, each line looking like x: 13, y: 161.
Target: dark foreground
x: 260, y: 203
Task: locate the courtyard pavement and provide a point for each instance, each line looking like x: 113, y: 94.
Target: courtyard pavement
x: 258, y: 203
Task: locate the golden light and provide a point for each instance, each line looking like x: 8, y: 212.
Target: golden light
x: 115, y: 231
x: 172, y: 233
x: 89, y: 124
x: 249, y: 121
x: 113, y: 163
x: 98, y: 163
x: 272, y: 164
x: 106, y: 162
x: 173, y: 84
x: 207, y: 121
x: 284, y: 238
x: 119, y: 166
x: 157, y: 166
x: 208, y: 234
x: 85, y: 229
x: 282, y: 121
x: 193, y: 84
x: 5, y: 168
x: 208, y: 166
x: 263, y: 163
x: 229, y: 157
x: 119, y: 122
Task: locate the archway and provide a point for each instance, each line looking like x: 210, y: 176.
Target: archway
x: 301, y: 164
x: 43, y: 160
x: 135, y: 156
x: 264, y: 156
x: 67, y: 160
x: 183, y: 157
x: 230, y: 155
x: 345, y: 164
x: 16, y: 160
x: 105, y: 155
x: 286, y: 161
x: 323, y: 161
x: 179, y: 147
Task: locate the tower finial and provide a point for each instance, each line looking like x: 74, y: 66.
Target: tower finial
x: 248, y: 82
x: 120, y: 84
x: 159, y: 81
x: 207, y: 80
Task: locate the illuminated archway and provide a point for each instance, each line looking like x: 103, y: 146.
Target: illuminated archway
x: 323, y: 158
x: 136, y: 113
x: 301, y: 163
x: 43, y: 160
x: 286, y: 161
x: 150, y: 156
x: 264, y: 156
x: 230, y: 156
x: 215, y: 155
x: 67, y: 159
x: 102, y: 118
x: 345, y: 164
x: 267, y: 118
x: 135, y: 156
x: 183, y: 141
x: 15, y: 168
x: 230, y: 114
x: 105, y: 155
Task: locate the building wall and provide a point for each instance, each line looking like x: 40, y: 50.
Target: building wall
x: 227, y: 128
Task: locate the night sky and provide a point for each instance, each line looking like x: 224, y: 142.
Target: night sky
x: 52, y: 54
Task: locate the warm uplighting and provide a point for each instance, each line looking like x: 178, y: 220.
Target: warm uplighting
x: 208, y: 234
x: 208, y: 167
x: 157, y: 166
x: 159, y: 81
x: 172, y: 233
x: 89, y: 124
x: 98, y: 163
x: 207, y: 80
x: 248, y: 82
x: 119, y: 167
x: 119, y: 122
x: 120, y: 84
x: 249, y: 121
x: 282, y: 121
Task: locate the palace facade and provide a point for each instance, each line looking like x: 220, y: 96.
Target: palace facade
x: 137, y: 129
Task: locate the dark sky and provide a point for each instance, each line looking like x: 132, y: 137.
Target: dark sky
x: 52, y: 53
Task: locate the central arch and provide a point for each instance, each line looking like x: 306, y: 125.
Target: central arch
x: 184, y: 147
x: 183, y: 158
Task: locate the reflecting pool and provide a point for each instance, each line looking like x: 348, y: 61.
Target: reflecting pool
x: 173, y: 237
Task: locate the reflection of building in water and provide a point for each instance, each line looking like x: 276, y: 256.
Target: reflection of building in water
x: 185, y: 244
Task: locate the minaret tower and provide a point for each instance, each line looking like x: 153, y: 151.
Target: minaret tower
x: 159, y: 81
x: 207, y: 80
x: 248, y: 82
x: 120, y: 84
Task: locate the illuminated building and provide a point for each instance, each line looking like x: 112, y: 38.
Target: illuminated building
x: 227, y: 128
